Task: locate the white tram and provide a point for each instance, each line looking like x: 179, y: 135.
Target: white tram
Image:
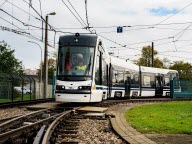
x: 86, y: 73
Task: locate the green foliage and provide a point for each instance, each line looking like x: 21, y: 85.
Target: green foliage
x: 51, y: 69
x: 146, y: 58
x: 8, y: 62
x: 164, y: 118
x: 184, y: 69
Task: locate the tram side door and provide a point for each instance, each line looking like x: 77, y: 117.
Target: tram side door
x: 159, y: 86
x: 127, y: 86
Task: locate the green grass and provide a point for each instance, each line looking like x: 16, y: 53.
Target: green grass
x: 162, y: 118
x: 25, y: 97
x: 5, y: 100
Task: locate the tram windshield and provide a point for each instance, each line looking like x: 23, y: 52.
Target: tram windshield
x: 75, y: 61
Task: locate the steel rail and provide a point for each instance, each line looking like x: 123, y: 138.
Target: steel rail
x: 9, y: 118
x: 25, y: 129
x: 26, y: 102
x: 16, y: 120
x: 53, y: 126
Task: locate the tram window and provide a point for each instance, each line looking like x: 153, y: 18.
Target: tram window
x: 97, y: 73
x: 118, y: 78
x: 121, y: 78
x: 114, y: 79
x: 148, y: 80
x: 166, y: 82
x: 60, y: 62
x: 135, y: 81
x: 104, y: 75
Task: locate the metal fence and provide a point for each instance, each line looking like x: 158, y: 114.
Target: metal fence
x: 16, y: 88
x: 185, y: 89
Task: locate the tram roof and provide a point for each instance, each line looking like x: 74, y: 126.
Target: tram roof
x: 78, y: 39
x: 121, y: 64
x: 157, y: 70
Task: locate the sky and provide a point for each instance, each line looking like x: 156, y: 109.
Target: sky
x: 167, y: 23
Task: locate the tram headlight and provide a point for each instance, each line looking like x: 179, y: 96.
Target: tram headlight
x: 84, y: 87
x: 60, y: 87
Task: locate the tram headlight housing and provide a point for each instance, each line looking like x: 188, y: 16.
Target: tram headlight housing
x: 84, y: 87
x: 60, y: 87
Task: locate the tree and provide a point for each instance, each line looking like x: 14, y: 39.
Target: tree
x: 166, y: 62
x: 8, y: 62
x: 184, y: 69
x: 51, y: 69
x: 146, y: 58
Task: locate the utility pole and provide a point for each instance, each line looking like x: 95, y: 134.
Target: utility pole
x: 152, y: 54
x: 46, y: 56
x: 45, y: 59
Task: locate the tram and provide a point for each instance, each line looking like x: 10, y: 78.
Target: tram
x: 87, y: 73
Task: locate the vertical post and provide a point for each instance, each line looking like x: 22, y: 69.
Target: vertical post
x: 45, y: 60
x: 53, y: 84
x: 140, y: 80
x: 34, y: 88
x: 30, y: 86
x: 41, y: 65
x: 171, y: 87
x: 152, y: 55
x: 22, y: 86
x: 12, y: 87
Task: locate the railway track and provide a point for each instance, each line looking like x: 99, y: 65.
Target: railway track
x: 66, y: 128
x: 26, y: 102
x: 23, y: 129
x: 49, y: 126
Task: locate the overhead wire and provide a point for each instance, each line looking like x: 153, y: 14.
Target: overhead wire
x: 20, y: 29
x: 30, y: 3
x: 88, y: 27
x: 12, y: 10
x: 137, y: 25
x: 3, y: 3
x: 41, y: 16
x: 171, y: 28
x: 174, y: 14
x: 34, y: 37
x: 38, y: 13
x: 182, y: 32
x: 24, y: 11
x: 176, y: 56
x: 119, y: 43
x: 52, y: 27
x: 18, y: 19
x: 73, y: 13
x: 86, y: 13
x: 76, y: 12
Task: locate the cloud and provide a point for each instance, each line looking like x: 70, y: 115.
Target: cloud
x: 162, y: 11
